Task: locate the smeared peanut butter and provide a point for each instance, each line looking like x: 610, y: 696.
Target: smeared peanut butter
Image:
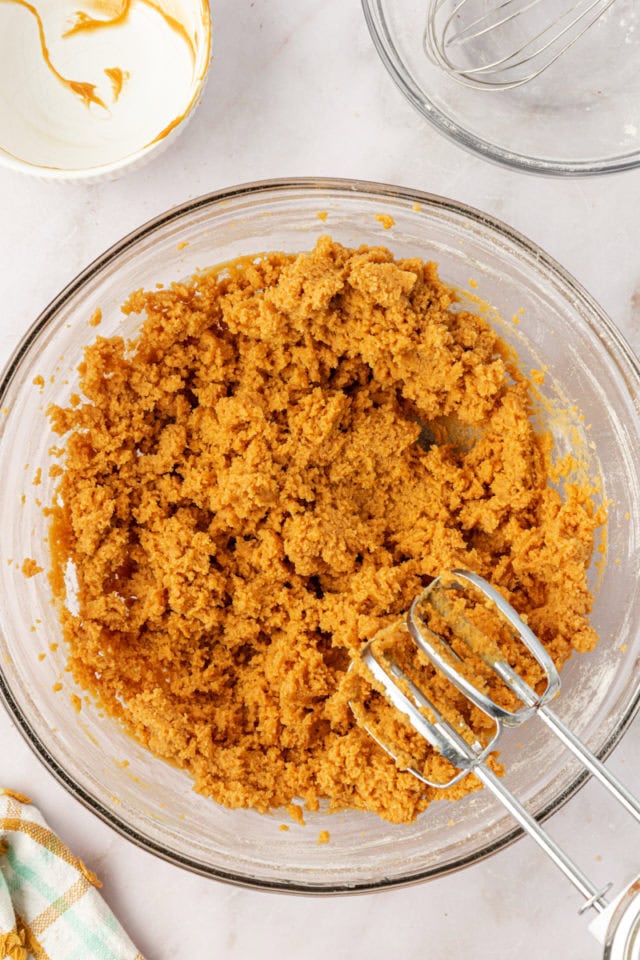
x: 86, y: 91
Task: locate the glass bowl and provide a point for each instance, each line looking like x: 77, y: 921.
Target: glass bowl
x: 580, y: 117
x: 589, y: 369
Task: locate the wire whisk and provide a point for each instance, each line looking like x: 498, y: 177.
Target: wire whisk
x: 502, y: 44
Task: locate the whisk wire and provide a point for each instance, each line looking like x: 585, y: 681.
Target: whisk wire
x: 479, y: 27
x: 535, y: 53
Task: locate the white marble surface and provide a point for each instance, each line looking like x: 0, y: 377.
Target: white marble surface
x: 297, y: 89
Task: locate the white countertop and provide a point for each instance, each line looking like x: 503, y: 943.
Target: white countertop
x: 296, y: 89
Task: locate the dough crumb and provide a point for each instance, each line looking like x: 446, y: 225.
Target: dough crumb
x: 30, y: 568
x: 386, y: 220
x: 292, y: 447
x: 296, y: 814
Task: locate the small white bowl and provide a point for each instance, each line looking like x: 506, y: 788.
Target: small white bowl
x: 86, y: 92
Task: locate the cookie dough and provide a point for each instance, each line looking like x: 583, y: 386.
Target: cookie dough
x: 287, y: 453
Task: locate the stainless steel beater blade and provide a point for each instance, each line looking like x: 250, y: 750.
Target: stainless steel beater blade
x: 444, y: 659
x: 418, y: 708
x: 467, y: 755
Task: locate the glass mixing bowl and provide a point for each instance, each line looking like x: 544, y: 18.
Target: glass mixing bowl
x: 579, y: 117
x: 589, y: 370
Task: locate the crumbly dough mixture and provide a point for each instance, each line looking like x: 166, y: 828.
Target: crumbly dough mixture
x: 262, y: 480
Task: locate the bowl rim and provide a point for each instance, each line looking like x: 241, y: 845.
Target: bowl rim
x: 462, y: 137
x: 321, y: 186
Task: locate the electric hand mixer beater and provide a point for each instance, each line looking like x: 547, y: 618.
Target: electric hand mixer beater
x: 618, y: 924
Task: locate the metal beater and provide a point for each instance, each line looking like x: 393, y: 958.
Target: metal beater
x: 620, y: 921
x: 501, y: 44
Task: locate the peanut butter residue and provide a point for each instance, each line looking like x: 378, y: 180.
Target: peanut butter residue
x: 118, y: 78
x: 262, y: 480
x: 86, y: 91
x: 116, y: 12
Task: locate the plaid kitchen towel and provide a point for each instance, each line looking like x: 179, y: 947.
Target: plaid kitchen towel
x: 50, y: 908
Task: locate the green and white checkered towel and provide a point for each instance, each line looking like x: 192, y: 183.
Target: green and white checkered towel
x: 50, y: 908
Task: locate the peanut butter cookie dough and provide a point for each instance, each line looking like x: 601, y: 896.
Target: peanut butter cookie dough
x: 251, y: 489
